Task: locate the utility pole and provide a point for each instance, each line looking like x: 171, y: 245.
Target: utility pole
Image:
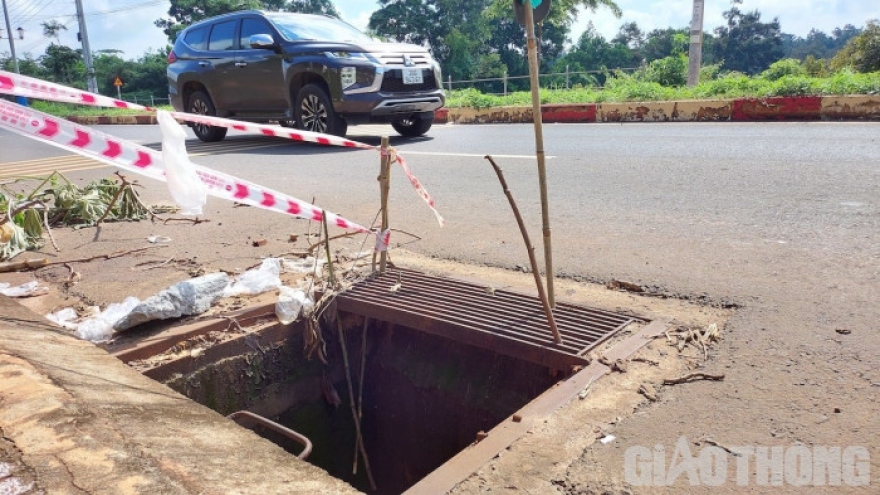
x: 695, y: 55
x: 11, y: 40
x: 87, y: 52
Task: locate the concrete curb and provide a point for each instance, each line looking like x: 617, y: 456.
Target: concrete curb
x: 802, y: 108
x: 85, y: 422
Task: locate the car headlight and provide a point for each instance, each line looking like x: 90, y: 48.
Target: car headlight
x: 347, y: 55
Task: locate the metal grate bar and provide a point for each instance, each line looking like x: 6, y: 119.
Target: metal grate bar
x: 503, y: 321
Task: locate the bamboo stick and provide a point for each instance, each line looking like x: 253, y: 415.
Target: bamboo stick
x: 539, y: 148
x: 548, y: 310
x: 357, y: 420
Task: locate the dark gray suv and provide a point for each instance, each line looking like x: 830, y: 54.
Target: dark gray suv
x: 310, y: 71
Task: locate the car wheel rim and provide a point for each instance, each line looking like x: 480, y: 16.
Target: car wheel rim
x: 200, y: 107
x: 407, y: 122
x: 314, y: 114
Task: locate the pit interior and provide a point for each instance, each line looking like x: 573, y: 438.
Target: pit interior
x: 424, y: 398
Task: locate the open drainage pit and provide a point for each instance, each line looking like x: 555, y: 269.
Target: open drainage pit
x: 430, y: 367
x: 425, y: 398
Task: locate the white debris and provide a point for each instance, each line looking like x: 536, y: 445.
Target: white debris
x: 607, y: 439
x: 100, y: 327
x: 190, y: 297
x: 304, y: 265
x: 14, y: 486
x: 64, y: 318
x: 28, y: 289
x: 291, y: 302
x: 258, y: 280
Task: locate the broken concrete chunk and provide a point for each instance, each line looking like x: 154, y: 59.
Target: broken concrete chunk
x: 190, y: 297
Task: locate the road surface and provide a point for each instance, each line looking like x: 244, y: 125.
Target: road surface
x: 780, y: 220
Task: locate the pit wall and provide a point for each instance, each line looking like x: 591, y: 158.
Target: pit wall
x: 804, y: 108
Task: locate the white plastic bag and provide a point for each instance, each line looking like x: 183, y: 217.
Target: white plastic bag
x: 99, y: 327
x: 291, y: 302
x: 304, y: 265
x: 188, y: 191
x: 264, y: 278
x: 28, y: 289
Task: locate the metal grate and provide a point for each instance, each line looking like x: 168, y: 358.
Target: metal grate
x: 501, y: 321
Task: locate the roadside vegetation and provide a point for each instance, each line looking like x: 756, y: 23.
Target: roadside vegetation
x: 745, y: 56
x: 780, y: 80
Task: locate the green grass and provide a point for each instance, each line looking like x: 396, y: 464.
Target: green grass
x: 623, y: 88
x: 67, y: 109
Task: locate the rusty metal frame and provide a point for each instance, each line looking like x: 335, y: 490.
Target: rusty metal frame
x: 459, y: 468
x: 501, y: 321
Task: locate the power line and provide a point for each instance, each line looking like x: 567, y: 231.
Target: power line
x: 126, y: 8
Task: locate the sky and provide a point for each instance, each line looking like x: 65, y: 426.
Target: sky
x: 127, y: 25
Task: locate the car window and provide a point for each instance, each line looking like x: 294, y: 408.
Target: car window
x: 250, y: 27
x: 222, y: 36
x: 197, y: 38
x: 317, y: 27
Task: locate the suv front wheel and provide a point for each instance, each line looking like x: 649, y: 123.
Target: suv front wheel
x: 200, y: 103
x: 414, y: 125
x: 314, y: 112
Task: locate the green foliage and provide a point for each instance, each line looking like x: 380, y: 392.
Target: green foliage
x: 783, y: 68
x: 62, y: 203
x: 622, y: 87
x: 862, y: 53
x: 668, y: 71
x: 746, y: 44
x: 815, y: 67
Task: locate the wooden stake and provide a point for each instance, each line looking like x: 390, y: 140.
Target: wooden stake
x: 331, y: 276
x: 548, y: 310
x: 360, y: 401
x: 354, y: 414
x: 539, y: 147
x: 385, y: 186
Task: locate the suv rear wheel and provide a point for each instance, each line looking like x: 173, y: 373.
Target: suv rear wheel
x: 315, y: 113
x: 413, y: 126
x: 201, y: 104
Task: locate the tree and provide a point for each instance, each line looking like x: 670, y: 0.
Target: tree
x: 862, y: 53
x: 630, y: 35
x: 182, y: 13
x: 818, y: 44
x: 52, y: 29
x: 746, y: 44
x: 468, y: 38
x: 185, y: 12
x: 324, y: 7
x: 64, y: 65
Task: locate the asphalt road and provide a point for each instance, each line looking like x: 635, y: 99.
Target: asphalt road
x: 626, y: 201
x: 781, y: 220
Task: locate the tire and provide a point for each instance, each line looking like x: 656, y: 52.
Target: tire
x: 314, y: 112
x: 200, y: 103
x: 413, y: 126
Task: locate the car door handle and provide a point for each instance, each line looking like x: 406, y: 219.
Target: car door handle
x: 241, y: 64
x: 203, y: 64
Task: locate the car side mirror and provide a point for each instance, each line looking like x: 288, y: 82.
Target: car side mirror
x: 262, y: 41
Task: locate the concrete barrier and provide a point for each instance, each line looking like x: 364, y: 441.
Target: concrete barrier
x: 803, y: 108
x: 797, y: 108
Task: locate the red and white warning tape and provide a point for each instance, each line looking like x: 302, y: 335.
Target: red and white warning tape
x: 16, y: 84
x: 148, y: 162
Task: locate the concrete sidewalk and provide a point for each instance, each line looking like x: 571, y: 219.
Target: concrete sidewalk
x: 74, y: 419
